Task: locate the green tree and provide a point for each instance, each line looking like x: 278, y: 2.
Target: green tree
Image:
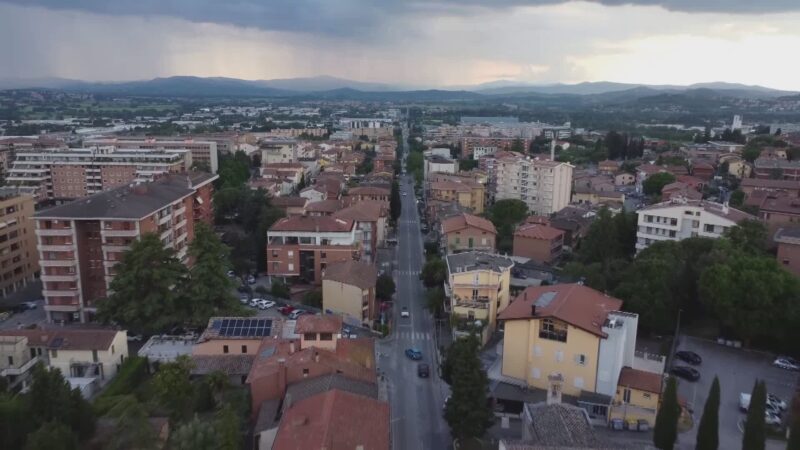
x: 755, y: 429
x: 794, y: 433
x: 434, y: 272
x: 280, y: 289
x: 228, y: 429
x: 144, y: 295
x: 302, y: 184
x: 313, y: 298
x: 15, y: 421
x: 209, y: 290
x: 708, y: 430
x: 195, y: 435
x: 737, y: 198
x: 468, y: 412
x: 654, y: 183
x: 518, y: 146
x: 218, y: 383
x: 52, y: 436
x: 506, y: 215
x: 750, y: 236
x: 395, y: 203
x: 384, y: 287
x: 173, y: 388
x: 132, y: 427
x: 434, y: 300
x: 665, y: 432
x: 52, y: 400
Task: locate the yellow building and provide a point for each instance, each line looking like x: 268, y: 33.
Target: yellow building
x: 468, y: 194
x: 578, y: 334
x: 478, y: 289
x: 348, y: 288
x: 638, y: 395
x: 19, y: 259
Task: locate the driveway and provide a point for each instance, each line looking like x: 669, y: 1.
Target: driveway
x: 737, y: 370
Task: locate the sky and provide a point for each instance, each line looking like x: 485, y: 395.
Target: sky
x: 419, y: 43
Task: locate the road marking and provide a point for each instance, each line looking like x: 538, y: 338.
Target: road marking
x: 414, y: 335
x: 408, y: 272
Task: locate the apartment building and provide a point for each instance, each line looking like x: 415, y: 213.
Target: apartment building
x: 197, y: 152
x: 80, y: 242
x: 303, y: 246
x: 470, y: 143
x: 580, y: 336
x: 469, y: 195
x: 478, y: 290
x: 278, y: 151
x: 70, y: 173
x: 464, y: 232
x: 441, y: 164
x: 348, y: 288
x: 371, y: 221
x: 539, y: 242
x: 773, y: 168
x: 19, y: 261
x: 544, y: 185
x: 10, y: 145
x: 373, y: 128
x: 680, y: 218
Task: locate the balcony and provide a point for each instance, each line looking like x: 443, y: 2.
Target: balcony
x: 57, y: 248
x: 61, y: 293
x: 57, y: 263
x: 120, y: 233
x: 21, y: 370
x: 53, y: 232
x: 165, y: 219
x: 474, y: 303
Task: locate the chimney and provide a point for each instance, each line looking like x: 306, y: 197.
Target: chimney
x: 282, y: 374
x: 554, y: 389
x: 533, y: 309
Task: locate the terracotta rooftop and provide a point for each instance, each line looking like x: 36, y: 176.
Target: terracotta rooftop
x: 640, y: 380
x: 283, y: 202
x: 575, y: 304
x: 363, y: 211
x: 324, y: 224
x: 538, y: 231
x: 759, y: 183
x: 368, y: 190
x: 334, y: 420
x: 450, y: 186
x: 227, y: 364
x: 464, y: 220
x: 356, y: 273
x: 328, y: 323
x: 66, y: 338
x: 329, y: 206
x: 781, y: 204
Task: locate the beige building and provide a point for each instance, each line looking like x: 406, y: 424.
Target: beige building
x: 197, y: 152
x: 464, y: 232
x: 545, y: 186
x: 478, y: 290
x: 236, y: 335
x: 469, y: 195
x: 19, y: 260
x: 348, y: 288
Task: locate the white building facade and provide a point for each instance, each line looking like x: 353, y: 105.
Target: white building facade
x: 544, y: 185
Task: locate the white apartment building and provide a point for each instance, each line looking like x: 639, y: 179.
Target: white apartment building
x: 194, y: 151
x: 440, y: 164
x: 544, y: 185
x: 680, y: 218
x: 68, y: 173
x: 278, y: 151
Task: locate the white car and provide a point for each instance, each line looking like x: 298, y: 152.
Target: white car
x: 404, y: 312
x: 266, y: 304
x: 786, y: 363
x: 244, y: 299
x: 296, y: 313
x: 254, y: 302
x: 776, y: 402
x: 772, y: 419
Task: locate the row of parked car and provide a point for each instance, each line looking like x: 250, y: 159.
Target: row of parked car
x: 263, y: 304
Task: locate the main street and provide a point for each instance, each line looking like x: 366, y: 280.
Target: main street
x: 416, y: 403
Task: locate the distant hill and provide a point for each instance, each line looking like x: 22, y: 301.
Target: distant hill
x: 605, y: 87
x: 324, y: 83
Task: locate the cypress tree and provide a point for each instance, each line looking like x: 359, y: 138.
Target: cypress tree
x: 755, y: 430
x: 708, y: 430
x: 794, y: 433
x: 665, y: 432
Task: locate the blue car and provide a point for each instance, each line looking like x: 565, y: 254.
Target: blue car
x: 414, y: 354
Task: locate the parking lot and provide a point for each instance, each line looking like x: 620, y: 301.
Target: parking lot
x: 737, y: 370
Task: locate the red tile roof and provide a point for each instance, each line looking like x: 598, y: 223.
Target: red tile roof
x: 770, y: 184
x: 66, y: 338
x: 324, y: 206
x: 450, y: 186
x: 368, y: 190
x: 575, y: 304
x: 283, y: 202
x: 313, y: 224
x: 640, y: 380
x: 356, y: 273
x: 464, y: 220
x: 364, y: 211
x: 335, y: 420
x: 538, y: 231
x: 327, y: 323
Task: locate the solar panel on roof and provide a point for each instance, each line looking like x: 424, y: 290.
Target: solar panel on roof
x: 545, y: 299
x: 216, y: 325
x: 244, y: 327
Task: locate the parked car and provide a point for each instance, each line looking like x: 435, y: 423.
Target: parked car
x: 254, y: 302
x: 232, y: 274
x: 784, y: 362
x: 776, y: 401
x: 414, y: 354
x: 404, y: 312
x: 286, y: 310
x: 265, y: 304
x: 772, y: 419
x: 297, y: 313
x: 251, y: 279
x: 30, y: 305
x: 134, y: 337
x: 689, y: 357
x: 244, y: 299
x: 423, y: 371
x: 686, y: 372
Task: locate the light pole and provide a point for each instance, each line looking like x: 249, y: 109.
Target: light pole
x: 674, y: 339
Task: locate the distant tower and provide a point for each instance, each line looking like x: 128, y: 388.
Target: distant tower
x: 553, y: 149
x: 737, y: 123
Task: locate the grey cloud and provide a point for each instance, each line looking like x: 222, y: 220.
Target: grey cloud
x: 358, y: 18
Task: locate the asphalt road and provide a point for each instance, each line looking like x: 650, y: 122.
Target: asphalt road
x: 416, y: 403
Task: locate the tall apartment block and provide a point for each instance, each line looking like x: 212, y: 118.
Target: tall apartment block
x: 79, y: 243
x: 70, y: 173
x: 18, y: 258
x: 544, y: 185
x: 195, y: 151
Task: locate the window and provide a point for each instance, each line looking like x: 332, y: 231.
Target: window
x: 785, y: 262
x: 645, y: 395
x: 244, y: 349
x: 559, y: 356
x: 11, y: 361
x: 310, y: 336
x: 626, y: 396
x: 325, y: 337
x: 291, y: 267
x: 94, y: 355
x: 224, y: 349
x: 54, y: 353
x: 580, y: 359
x: 305, y: 371
x: 553, y: 330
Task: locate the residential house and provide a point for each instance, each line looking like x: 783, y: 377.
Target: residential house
x: 545, y: 186
x: 302, y: 246
x: 478, y: 290
x: 541, y: 243
x: 624, y: 179
x: 679, y: 190
x: 776, y: 169
x: 348, y: 288
x: 439, y: 164
x: 638, y: 396
x: 314, y: 193
x: 737, y: 166
x: 788, y: 240
x: 371, y: 220
x: 609, y: 167
x: 292, y: 205
x: 362, y: 193
x: 681, y: 218
x: 703, y: 170
x: 464, y: 232
x: 779, y: 211
x: 467, y: 194
x: 19, y: 260
x: 230, y: 336
x: 573, y: 220
x: 81, y: 242
x: 790, y: 187
x: 323, y: 207
x: 589, y: 196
